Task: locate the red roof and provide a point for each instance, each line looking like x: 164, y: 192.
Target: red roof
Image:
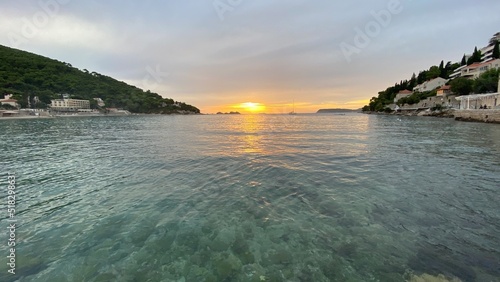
x: 405, y: 92
x: 445, y: 87
x: 473, y: 66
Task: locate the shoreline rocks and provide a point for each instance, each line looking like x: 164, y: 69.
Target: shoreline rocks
x: 485, y: 116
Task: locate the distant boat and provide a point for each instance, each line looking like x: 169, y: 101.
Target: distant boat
x: 293, y: 110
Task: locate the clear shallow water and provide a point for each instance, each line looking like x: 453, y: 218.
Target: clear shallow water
x: 253, y: 198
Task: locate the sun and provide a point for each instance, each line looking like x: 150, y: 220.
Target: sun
x: 252, y: 107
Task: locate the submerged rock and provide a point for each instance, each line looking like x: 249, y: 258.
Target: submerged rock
x: 226, y: 266
x: 430, y: 278
x: 280, y: 256
x: 347, y: 249
x: 437, y: 260
x: 224, y: 239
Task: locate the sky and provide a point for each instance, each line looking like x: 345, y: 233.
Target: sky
x: 253, y: 55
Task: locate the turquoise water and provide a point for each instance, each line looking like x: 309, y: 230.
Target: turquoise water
x: 252, y: 198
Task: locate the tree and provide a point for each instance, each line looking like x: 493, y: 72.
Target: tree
x: 464, y: 61
x: 451, y: 68
x: 413, y: 81
x: 442, y: 69
x: 475, y: 58
x: 93, y: 104
x: 496, y: 50
x: 27, y: 75
x: 421, y: 77
x: 433, y: 72
x: 462, y: 86
x: 487, y: 82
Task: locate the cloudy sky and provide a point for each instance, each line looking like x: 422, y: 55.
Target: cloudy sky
x: 218, y: 54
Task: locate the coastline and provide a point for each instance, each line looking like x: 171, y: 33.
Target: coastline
x: 26, y: 117
x: 77, y: 115
x: 483, y: 116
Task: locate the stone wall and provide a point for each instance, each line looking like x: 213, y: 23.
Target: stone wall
x: 490, y: 116
x: 448, y: 101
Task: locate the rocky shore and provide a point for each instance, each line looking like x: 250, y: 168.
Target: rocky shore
x: 487, y: 116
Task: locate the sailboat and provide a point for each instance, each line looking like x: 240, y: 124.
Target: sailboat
x: 293, y: 110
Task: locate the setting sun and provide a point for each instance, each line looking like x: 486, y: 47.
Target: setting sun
x: 252, y: 107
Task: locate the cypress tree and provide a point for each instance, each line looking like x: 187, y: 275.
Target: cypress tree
x: 475, y: 58
x: 442, y: 70
x: 464, y: 62
x: 496, y: 51
x: 413, y: 81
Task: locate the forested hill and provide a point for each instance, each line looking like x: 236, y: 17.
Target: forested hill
x: 27, y: 75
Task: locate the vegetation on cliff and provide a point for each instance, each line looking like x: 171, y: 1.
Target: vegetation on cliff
x: 27, y: 75
x: 487, y: 82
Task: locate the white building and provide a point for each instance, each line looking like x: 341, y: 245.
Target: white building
x: 476, y: 69
x: 430, y: 84
x: 9, y: 101
x: 457, y: 72
x: 487, y: 52
x: 486, y: 56
x: 100, y: 102
x: 402, y: 94
x: 72, y: 105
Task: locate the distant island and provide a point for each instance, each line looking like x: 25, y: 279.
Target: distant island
x: 329, y: 111
x: 230, y: 113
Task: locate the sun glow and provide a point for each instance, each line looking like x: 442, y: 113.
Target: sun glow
x: 252, y: 107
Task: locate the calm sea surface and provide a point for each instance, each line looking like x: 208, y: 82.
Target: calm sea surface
x: 251, y: 198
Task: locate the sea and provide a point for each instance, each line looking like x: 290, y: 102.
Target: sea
x: 307, y: 197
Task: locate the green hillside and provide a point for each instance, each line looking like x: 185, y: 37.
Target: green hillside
x: 27, y: 75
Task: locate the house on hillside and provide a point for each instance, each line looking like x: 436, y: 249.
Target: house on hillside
x: 402, y: 94
x: 430, y: 84
x: 476, y: 69
x: 9, y: 101
x: 444, y: 90
x: 457, y: 72
x: 100, y: 102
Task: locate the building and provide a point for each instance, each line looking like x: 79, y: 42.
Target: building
x: 402, y: 94
x: 476, y: 69
x: 9, y: 101
x: 487, y: 52
x: 100, y: 102
x: 457, y: 72
x: 430, y: 84
x: 471, y: 71
x: 9, y: 113
x: 70, y: 105
x: 444, y: 90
